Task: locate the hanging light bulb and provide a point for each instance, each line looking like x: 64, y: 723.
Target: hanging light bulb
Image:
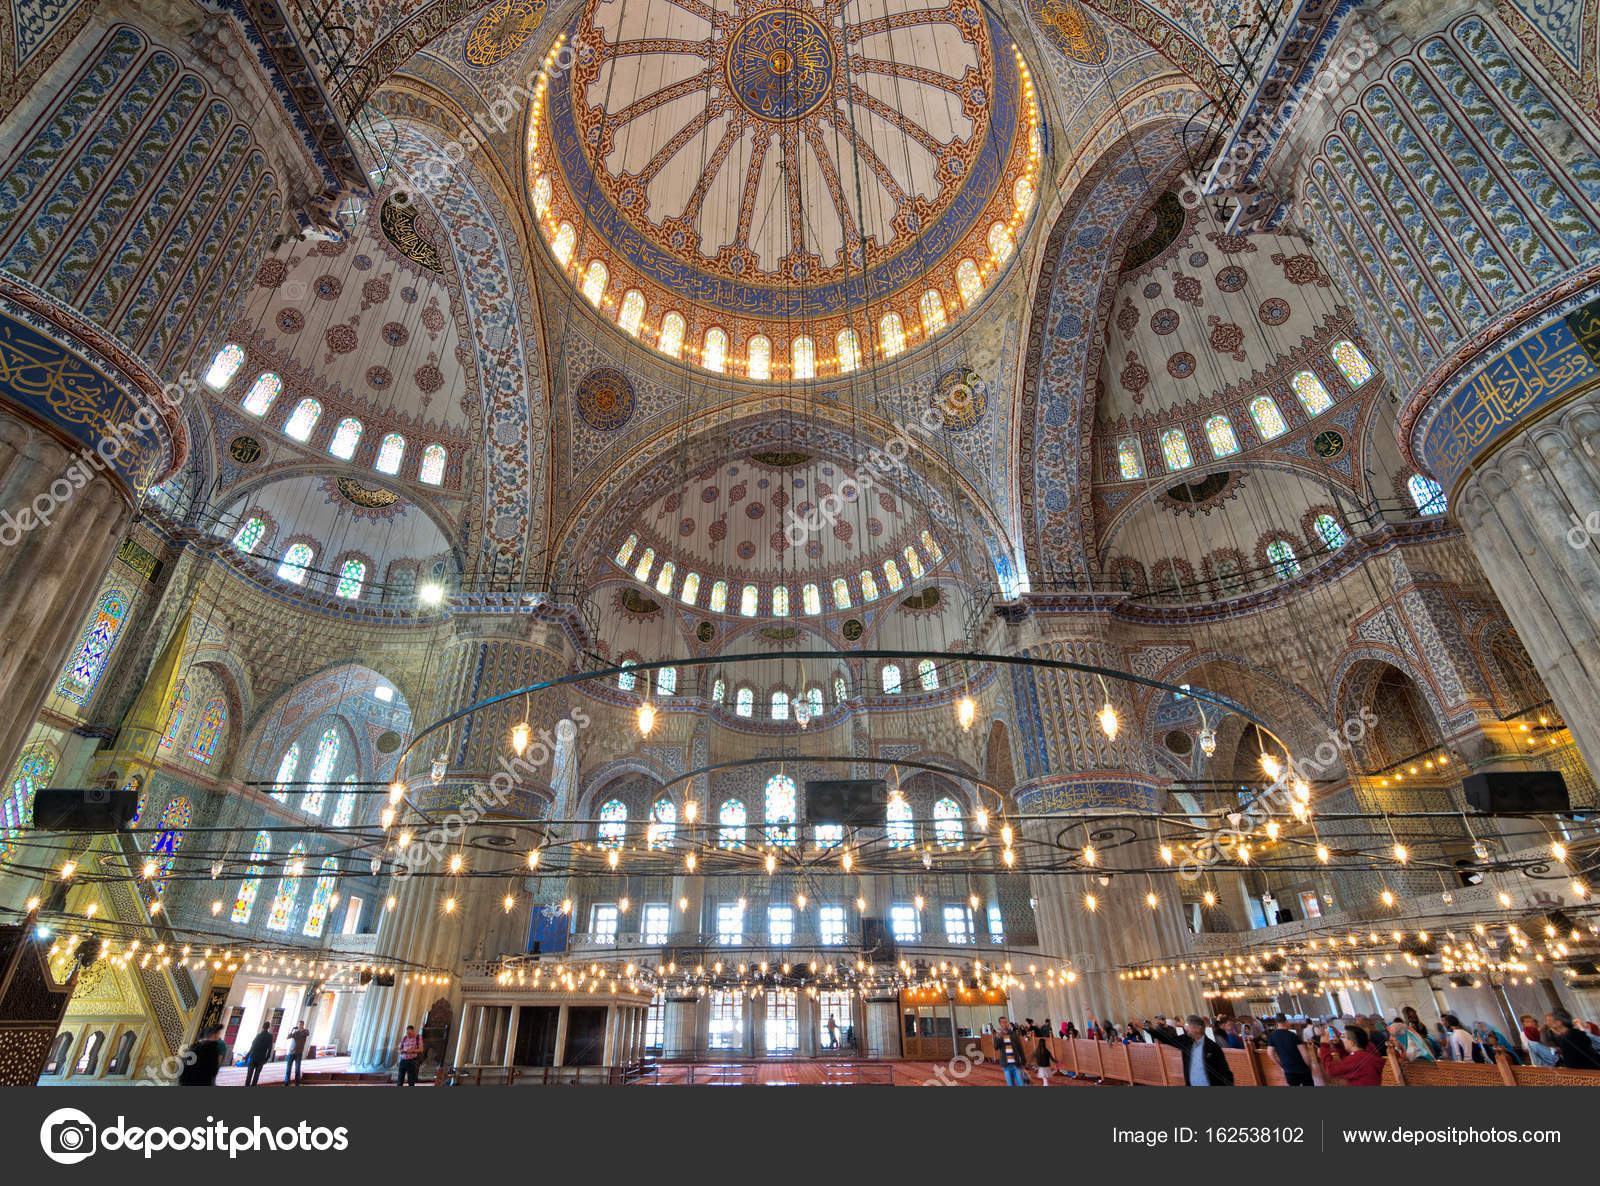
x: 216, y: 870
x: 800, y: 901
x: 437, y: 769
x: 396, y: 790
x: 1089, y: 856
x: 612, y: 858
x: 449, y: 905
x: 1322, y: 853
x: 974, y: 901
x: 1166, y: 854
x: 533, y: 858
x: 982, y: 819
x: 1108, y: 720
x: 1558, y: 850
x: 927, y: 859
x: 802, y: 711
x: 1480, y: 850
x: 1010, y: 858
x: 647, y: 718
x: 509, y: 903
x: 375, y: 864
x: 1005, y: 834
x: 1270, y: 767
x: 966, y: 712
x: 1388, y: 898
x: 691, y: 808
x: 772, y: 861
x: 847, y: 860
x: 1091, y: 903
x: 689, y: 862
x: 386, y: 816
x: 455, y: 862
x: 1208, y: 742
x: 521, y: 735
x: 1151, y: 900
x: 1272, y: 829
x: 1400, y: 853
x: 1580, y: 889
x: 403, y: 841
x: 1209, y: 898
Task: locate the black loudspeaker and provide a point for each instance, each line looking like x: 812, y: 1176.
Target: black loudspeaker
x: 855, y: 802
x: 1285, y: 916
x: 877, y: 941
x: 85, y: 809
x: 1511, y: 792
x: 383, y: 980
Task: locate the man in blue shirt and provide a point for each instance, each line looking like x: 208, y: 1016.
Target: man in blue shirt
x: 1285, y: 1045
x: 1204, y: 1064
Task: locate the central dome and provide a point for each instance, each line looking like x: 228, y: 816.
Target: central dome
x: 776, y: 174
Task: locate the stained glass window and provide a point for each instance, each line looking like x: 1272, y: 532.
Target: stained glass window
x: 1313, y: 396
x: 749, y: 597
x: 891, y: 334
x: 935, y: 552
x: 88, y: 664
x: 245, y: 901
x: 1269, y: 421
x: 1000, y: 242
x: 321, y: 898
x: 566, y: 240
x: 719, y: 597
x: 914, y: 562
x: 647, y: 561
x: 814, y: 700
x: 1332, y: 534
x: 1348, y: 358
x: 1023, y: 193
x: 760, y: 365
x: 212, y: 719
x: 719, y: 690
x: 715, y: 355
x: 224, y: 365
x: 613, y: 823
x: 288, y: 889
x: 351, y: 575
x: 594, y: 281
x: 542, y: 190
x: 780, y: 810
x: 891, y: 678
x: 891, y: 572
x: 869, y: 585
x: 932, y: 309
x: 811, y: 599
x: 321, y: 771
x: 929, y: 675
x: 670, y: 342
x: 286, y: 770
x: 626, y: 550
x: 731, y: 816
x: 1175, y: 449
x: 391, y: 450
x: 345, y: 438
x: 434, y: 458
x: 663, y: 823
x: 780, y: 601
x: 849, y: 351
x: 249, y: 534
x: 174, y: 820
x: 971, y: 283
x: 841, y: 593
x: 178, y: 705
x: 344, y: 809
x: 632, y: 315
x: 947, y: 822
x: 665, y: 578
x: 1281, y: 556
x: 744, y: 702
x: 1220, y: 435
x: 691, y: 589
x: 626, y: 680
x: 804, y: 354
x: 261, y: 394
x: 841, y: 691
x: 294, y: 564
x: 666, y: 681
x: 31, y: 773
x: 1129, y: 463
x: 902, y: 834
x: 303, y: 419
x: 1427, y: 494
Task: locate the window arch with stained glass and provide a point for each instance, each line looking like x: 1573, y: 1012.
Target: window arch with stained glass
x: 1329, y: 531
x: 1313, y: 396
x: 286, y: 769
x: 212, y: 719
x: 780, y: 810
x: 1427, y: 494
x: 663, y: 823
x: 1221, y: 437
x: 321, y: 772
x: 249, y: 534
x: 1269, y: 420
x: 176, y: 708
x: 30, y: 775
x: 288, y: 889
x: 1175, y: 450
x: 245, y: 901
x: 613, y: 823
x: 1280, y: 554
x: 947, y: 822
x: 731, y: 816
x: 902, y: 833
x: 88, y: 663
x: 1352, y: 363
x: 322, y: 897
x: 344, y: 808
x: 175, y: 820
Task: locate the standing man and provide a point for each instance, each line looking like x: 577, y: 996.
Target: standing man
x: 833, y: 1033
x: 1285, y: 1045
x: 203, y: 1060
x: 260, y: 1055
x: 1204, y: 1064
x: 1572, y: 1045
x: 1009, y: 1052
x: 297, y: 1051
x: 410, y: 1056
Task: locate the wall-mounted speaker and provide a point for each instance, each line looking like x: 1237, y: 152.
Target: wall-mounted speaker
x: 1512, y: 792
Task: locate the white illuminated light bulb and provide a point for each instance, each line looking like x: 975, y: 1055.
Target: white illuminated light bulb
x: 533, y: 859
x: 772, y: 862
x: 1322, y: 853
x: 1270, y: 767
x: 1108, y: 721
x: 647, y: 718
x: 1400, y: 853
x: 966, y: 712
x: 690, y: 810
x: 396, y: 790
x: 521, y: 735
x: 983, y: 819
x: 1558, y: 850
x: 1090, y: 903
x: 1208, y: 742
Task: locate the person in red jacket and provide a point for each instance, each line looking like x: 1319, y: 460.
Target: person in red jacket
x: 1359, y: 1067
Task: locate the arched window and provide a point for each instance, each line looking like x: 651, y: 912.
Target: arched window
x: 749, y: 598
x: 30, y: 775
x: 663, y: 823
x: 690, y: 592
x: 719, y: 597
x: 121, y: 1061
x: 1269, y: 421
x: 352, y: 573
x: 57, y: 1063
x: 321, y: 898
x: 731, y: 816
x: 1313, y: 396
x: 971, y: 283
x: 286, y: 770
x: 1023, y: 193
x: 914, y: 562
x: 814, y: 700
x: 176, y: 708
x: 780, y: 601
x: 780, y: 810
x: 891, y: 678
x: 1348, y: 358
x: 90, y: 1058
x: 566, y: 240
x: 869, y: 585
x: 1175, y: 450
x: 434, y: 458
x: 294, y: 564
x: 1000, y: 242
x: 665, y: 578
x: 715, y: 355
x: 932, y: 309
x: 261, y: 394
x: 760, y: 355
x: 810, y: 599
x: 935, y: 552
x: 1220, y: 435
x: 1282, y: 558
x: 542, y: 192
x: 647, y: 561
x: 204, y: 743
x: 303, y: 419
x: 249, y: 534
x: 626, y: 550
x: 613, y: 823
x: 626, y: 680
x: 891, y: 573
x: 780, y: 706
x: 344, y: 808
x: 670, y: 342
x: 594, y: 282
x: 224, y: 365
x: 744, y: 702
x: 718, y: 690
x: 902, y: 834
x: 245, y: 901
x: 345, y: 438
x: 849, y: 351
x: 1129, y: 463
x: 891, y: 335
x: 841, y: 593
x: 1230, y: 575
x: 88, y: 663
x: 1427, y: 494
x: 928, y: 674
x: 804, y: 356
x: 321, y: 771
x: 391, y: 450
x: 947, y: 822
x: 841, y: 691
x: 632, y: 315
x: 666, y: 681
x: 288, y: 889
x: 1332, y: 534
